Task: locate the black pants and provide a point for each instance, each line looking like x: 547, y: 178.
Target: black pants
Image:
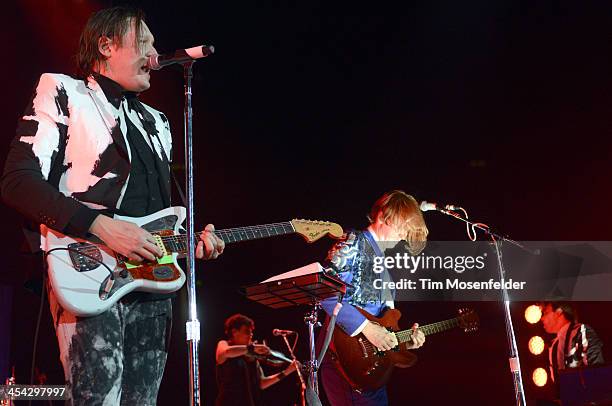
x: 117, y: 357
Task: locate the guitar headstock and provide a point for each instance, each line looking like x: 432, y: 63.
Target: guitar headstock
x: 313, y: 230
x: 468, y: 320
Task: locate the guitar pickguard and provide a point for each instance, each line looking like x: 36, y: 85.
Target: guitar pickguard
x: 162, y: 270
x: 83, y: 263
x: 162, y: 223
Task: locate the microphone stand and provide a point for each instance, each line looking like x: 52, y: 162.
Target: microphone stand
x: 298, y: 370
x: 193, y: 324
x: 515, y: 365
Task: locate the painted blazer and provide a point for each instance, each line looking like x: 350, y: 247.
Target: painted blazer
x: 70, y: 158
x: 351, y: 259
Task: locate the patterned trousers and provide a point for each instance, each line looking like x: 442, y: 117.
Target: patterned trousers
x: 117, y: 357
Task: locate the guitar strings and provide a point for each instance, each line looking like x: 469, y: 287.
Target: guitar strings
x: 405, y: 335
x: 240, y: 229
x: 181, y: 238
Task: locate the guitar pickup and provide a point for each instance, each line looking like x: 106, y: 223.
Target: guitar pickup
x: 83, y: 263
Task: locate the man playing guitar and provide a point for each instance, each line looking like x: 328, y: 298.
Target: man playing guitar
x: 87, y: 149
x: 394, y: 216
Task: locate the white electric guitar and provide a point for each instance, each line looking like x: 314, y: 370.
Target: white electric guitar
x: 87, y: 277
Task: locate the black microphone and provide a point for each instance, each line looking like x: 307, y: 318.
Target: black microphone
x: 278, y: 332
x: 157, y: 62
x: 428, y: 206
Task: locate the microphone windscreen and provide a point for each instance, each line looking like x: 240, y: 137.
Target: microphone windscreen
x: 426, y: 206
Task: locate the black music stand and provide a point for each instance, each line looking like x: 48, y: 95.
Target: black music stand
x: 303, y: 286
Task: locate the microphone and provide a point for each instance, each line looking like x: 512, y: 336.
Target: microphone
x: 278, y: 332
x: 428, y: 206
x: 156, y: 62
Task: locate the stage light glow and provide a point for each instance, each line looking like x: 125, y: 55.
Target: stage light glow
x: 536, y: 345
x: 533, y: 314
x: 540, y: 377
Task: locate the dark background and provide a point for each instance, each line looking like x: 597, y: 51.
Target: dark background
x: 314, y: 109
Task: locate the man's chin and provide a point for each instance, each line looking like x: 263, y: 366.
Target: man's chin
x: 140, y: 86
x: 145, y: 86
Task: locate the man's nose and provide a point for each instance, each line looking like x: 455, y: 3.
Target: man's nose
x: 151, y: 51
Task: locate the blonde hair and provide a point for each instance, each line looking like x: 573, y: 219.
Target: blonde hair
x: 402, y: 210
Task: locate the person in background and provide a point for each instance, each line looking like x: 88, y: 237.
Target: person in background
x: 240, y: 378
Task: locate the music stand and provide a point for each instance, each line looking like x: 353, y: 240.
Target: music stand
x: 307, y: 285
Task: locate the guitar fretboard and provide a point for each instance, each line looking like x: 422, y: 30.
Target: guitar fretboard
x: 406, y: 335
x: 178, y: 243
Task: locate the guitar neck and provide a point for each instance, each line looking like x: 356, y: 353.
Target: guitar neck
x: 406, y: 335
x: 238, y: 234
x: 178, y: 243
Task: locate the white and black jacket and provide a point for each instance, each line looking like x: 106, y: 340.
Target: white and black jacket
x: 70, y: 160
x: 581, y: 348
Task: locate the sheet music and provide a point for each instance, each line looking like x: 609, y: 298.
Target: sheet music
x: 309, y: 269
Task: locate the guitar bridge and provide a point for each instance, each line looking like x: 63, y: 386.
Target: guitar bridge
x: 83, y: 263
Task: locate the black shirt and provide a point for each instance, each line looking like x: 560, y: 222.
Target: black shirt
x: 143, y: 195
x: 238, y: 380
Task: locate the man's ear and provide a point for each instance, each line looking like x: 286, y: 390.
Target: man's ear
x: 104, y: 46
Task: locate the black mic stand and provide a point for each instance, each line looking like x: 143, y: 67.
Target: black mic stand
x: 515, y: 365
x: 297, y: 370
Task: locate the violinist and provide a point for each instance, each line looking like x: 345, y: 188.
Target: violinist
x: 239, y: 375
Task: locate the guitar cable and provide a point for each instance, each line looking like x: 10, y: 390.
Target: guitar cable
x: 46, y: 254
